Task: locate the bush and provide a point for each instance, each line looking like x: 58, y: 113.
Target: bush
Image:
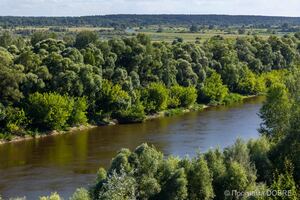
x: 174, y: 111
x: 13, y: 120
x: 232, y: 98
x: 78, y: 116
x: 155, y: 97
x: 112, y: 98
x: 286, y: 182
x: 80, y: 194
x: 251, y: 84
x: 49, y: 110
x: 246, y: 85
x: 84, y: 38
x: 182, y: 96
x: 134, y: 114
x: 189, y: 97
x: 213, y: 89
x: 174, y: 96
x: 53, y: 196
x: 118, y: 187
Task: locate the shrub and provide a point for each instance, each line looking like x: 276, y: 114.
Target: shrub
x: 250, y: 84
x: 182, y: 96
x: 13, y: 120
x: 155, y: 97
x: 232, y: 98
x: 78, y: 116
x: 49, y: 110
x: 118, y: 186
x: 213, y: 89
x: 285, y: 182
x: 53, y: 196
x: 112, y: 98
x: 80, y: 194
x: 189, y: 97
x: 174, y: 96
x: 134, y: 114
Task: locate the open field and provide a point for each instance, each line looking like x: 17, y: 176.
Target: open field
x: 191, y: 37
x: 168, y: 34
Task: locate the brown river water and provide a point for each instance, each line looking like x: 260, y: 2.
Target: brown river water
x: 63, y: 163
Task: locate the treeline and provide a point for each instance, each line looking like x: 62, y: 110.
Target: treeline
x: 146, y: 20
x: 49, y: 84
x: 267, y: 168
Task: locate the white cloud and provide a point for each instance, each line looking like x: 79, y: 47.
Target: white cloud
x: 99, y: 7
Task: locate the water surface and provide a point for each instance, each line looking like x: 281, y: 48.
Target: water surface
x: 62, y: 163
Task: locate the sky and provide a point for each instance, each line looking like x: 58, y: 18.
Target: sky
x: 102, y: 7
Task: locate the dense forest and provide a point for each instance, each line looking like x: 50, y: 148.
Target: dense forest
x: 51, y: 84
x: 267, y: 168
x: 146, y: 20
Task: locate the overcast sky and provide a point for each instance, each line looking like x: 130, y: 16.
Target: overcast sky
x: 101, y: 7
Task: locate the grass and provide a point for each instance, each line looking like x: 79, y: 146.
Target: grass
x: 169, y: 34
x: 191, y: 37
x: 179, y: 111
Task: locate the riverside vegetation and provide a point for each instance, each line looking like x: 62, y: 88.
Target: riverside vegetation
x: 50, y: 83
x: 253, y: 168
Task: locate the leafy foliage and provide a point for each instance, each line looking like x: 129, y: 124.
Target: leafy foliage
x: 155, y: 97
x: 213, y: 89
x: 49, y: 110
x: 127, y: 78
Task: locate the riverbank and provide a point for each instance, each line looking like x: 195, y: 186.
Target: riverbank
x: 166, y: 113
x: 47, y: 134
x: 112, y: 122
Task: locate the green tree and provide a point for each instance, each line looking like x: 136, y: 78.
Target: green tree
x: 275, y: 113
x: 80, y: 194
x: 285, y: 183
x: 133, y: 114
x: 213, y: 89
x: 78, y: 116
x: 11, y: 78
x: 40, y: 36
x: 113, y: 98
x: 13, y: 120
x: 248, y: 84
x: 217, y: 168
x: 6, y: 39
x: 259, y: 155
x: 199, y: 180
x: 155, y: 97
x: 185, y: 75
x: 84, y: 38
x: 182, y: 96
x: 53, y: 196
x: 49, y: 110
x: 194, y: 28
x: 118, y: 187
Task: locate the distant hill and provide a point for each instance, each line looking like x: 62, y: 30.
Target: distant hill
x: 142, y: 20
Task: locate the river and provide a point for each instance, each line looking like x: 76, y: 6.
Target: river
x: 64, y: 162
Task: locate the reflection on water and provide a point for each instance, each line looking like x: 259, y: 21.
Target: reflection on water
x: 65, y: 162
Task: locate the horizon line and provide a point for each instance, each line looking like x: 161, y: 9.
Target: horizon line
x: 139, y: 14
